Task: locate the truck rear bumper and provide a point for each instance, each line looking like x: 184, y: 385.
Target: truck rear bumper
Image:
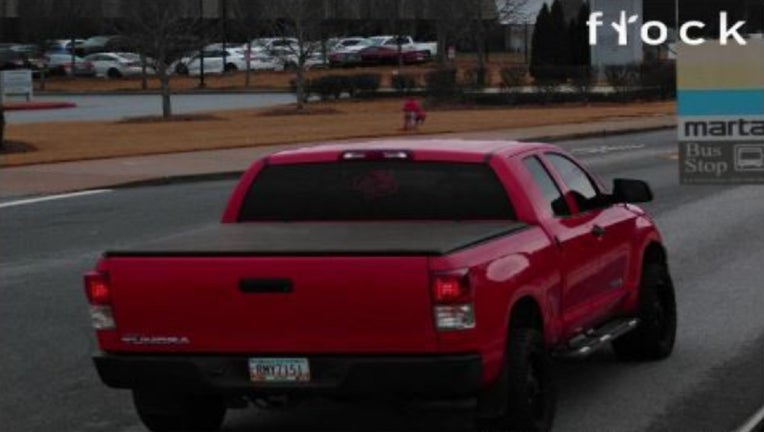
x: 435, y: 377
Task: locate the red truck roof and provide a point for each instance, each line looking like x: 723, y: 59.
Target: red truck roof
x: 433, y: 149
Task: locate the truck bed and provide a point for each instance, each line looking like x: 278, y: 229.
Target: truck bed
x: 326, y: 239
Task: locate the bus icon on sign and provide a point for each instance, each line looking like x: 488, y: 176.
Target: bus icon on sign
x: 749, y: 158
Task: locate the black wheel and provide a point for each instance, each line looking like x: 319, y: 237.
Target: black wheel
x: 525, y: 390
x: 654, y: 338
x: 181, y: 69
x: 162, y: 412
x: 230, y: 67
x: 114, y: 73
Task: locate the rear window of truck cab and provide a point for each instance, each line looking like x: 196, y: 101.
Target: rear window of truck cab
x: 376, y: 190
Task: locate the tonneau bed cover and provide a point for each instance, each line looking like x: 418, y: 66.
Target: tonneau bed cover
x: 326, y: 239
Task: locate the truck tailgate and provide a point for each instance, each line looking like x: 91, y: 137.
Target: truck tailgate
x: 285, y: 288
x: 272, y: 305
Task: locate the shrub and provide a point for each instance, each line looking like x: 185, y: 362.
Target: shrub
x: 404, y: 83
x: 548, y: 83
x: 513, y: 77
x: 583, y: 79
x: 659, y: 77
x: 441, y: 84
x: 329, y: 86
x: 623, y: 78
x: 366, y: 83
x: 475, y: 78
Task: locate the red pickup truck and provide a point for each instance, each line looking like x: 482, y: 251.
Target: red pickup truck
x: 415, y: 269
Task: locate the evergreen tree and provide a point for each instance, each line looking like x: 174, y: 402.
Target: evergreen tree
x: 540, y: 46
x: 579, y: 38
x: 559, y: 40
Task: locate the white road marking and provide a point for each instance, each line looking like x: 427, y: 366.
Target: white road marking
x: 607, y: 149
x: 52, y: 198
x: 753, y: 421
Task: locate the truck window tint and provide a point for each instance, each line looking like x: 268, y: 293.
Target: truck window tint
x: 578, y: 182
x: 376, y: 190
x: 549, y: 190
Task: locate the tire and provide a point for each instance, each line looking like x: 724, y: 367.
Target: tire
x: 655, y: 336
x: 230, y: 67
x: 162, y: 412
x: 525, y: 387
x: 181, y: 69
x: 114, y: 73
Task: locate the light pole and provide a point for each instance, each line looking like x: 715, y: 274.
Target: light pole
x: 224, y: 13
x: 202, y: 84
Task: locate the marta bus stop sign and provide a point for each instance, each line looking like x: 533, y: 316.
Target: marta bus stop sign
x: 721, y: 113
x: 16, y: 83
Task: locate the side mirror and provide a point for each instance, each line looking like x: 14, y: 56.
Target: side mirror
x: 631, y: 191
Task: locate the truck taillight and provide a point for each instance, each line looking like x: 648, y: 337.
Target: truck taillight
x: 453, y: 301
x: 452, y: 287
x: 98, y: 292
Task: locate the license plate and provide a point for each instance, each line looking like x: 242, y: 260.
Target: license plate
x: 279, y: 370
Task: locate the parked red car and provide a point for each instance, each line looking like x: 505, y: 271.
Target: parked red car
x: 388, y: 54
x: 434, y: 269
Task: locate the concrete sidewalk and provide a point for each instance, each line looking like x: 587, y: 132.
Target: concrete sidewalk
x: 105, y: 173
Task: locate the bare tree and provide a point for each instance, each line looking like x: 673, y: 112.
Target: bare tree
x: 248, y: 14
x: 303, y: 21
x: 41, y: 21
x: 38, y: 26
x: 514, y: 11
x: 393, y: 7
x: 162, y: 31
x: 481, y: 14
x: 449, y: 23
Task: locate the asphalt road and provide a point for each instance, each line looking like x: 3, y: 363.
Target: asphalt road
x: 713, y: 382
x: 117, y: 107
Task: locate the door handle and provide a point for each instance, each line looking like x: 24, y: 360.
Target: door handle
x: 265, y: 286
x: 598, y: 231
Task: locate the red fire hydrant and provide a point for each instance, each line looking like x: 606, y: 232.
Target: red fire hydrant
x: 413, y: 115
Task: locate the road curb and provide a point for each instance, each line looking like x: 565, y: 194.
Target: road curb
x: 179, y: 179
x: 38, y: 106
x: 231, y: 175
x: 601, y: 134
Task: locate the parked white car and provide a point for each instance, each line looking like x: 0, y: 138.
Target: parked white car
x: 181, y: 66
x: 289, y: 59
x: 349, y: 44
x: 267, y: 45
x: 264, y: 62
x: 218, y: 61
x: 118, y: 65
x: 407, y: 44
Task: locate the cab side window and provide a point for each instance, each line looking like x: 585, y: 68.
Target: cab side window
x: 549, y: 190
x: 581, y: 186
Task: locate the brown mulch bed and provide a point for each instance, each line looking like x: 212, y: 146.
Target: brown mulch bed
x: 175, y: 118
x: 68, y: 141
x: 292, y: 110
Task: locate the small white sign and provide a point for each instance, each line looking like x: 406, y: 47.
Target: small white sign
x: 16, y: 83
